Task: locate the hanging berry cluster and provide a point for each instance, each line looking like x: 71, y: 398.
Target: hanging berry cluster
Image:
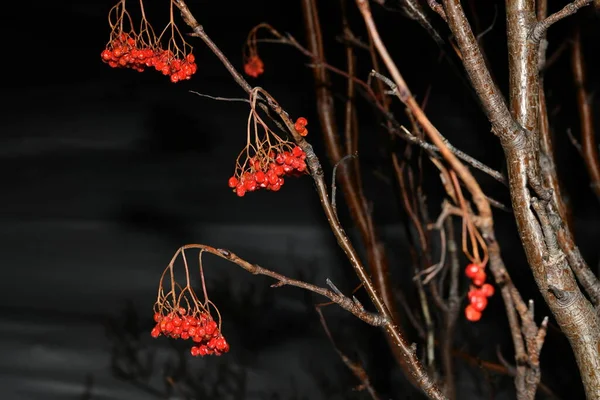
x: 201, y: 329
x: 139, y: 50
x: 267, y: 159
x: 253, y: 65
x: 478, y: 301
x: 269, y: 173
x: 179, y: 314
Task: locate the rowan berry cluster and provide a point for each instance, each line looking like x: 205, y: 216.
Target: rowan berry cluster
x: 125, y: 52
x: 254, y: 66
x: 201, y: 329
x: 300, y: 126
x: 269, y: 172
x: 479, y: 293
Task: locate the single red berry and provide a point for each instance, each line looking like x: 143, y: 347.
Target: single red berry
x: 297, y: 151
x: 185, y: 335
x: 487, y: 290
x: 155, y: 332
x: 240, y: 191
x: 479, y: 278
x: 472, y: 314
x: 260, y: 177
x: 211, y: 326
x: 479, y: 303
x: 250, y: 186
x: 195, y: 351
x: 472, y: 269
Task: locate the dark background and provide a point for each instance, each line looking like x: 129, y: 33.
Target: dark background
x: 105, y: 173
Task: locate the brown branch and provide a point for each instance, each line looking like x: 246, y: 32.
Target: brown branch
x: 589, y: 146
x: 546, y: 154
x: 332, y: 294
x: 437, y: 7
x: 419, y: 374
x: 485, y: 217
x: 541, y: 27
x: 353, y: 194
x: 451, y: 313
x: 572, y: 311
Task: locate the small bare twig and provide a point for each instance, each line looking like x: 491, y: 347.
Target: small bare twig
x: 220, y: 98
x: 542, y: 26
x: 333, y: 176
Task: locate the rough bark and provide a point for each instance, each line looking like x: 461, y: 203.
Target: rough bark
x: 517, y: 133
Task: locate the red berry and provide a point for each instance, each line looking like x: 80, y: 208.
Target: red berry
x: 479, y: 303
x: 250, y: 186
x: 155, y: 332
x: 487, y: 290
x: 472, y: 314
x: 472, y: 269
x: 260, y: 177
x: 211, y: 326
x: 297, y: 151
x: 240, y: 191
x: 233, y: 181
x: 195, y: 351
x: 479, y: 278
x: 302, y: 121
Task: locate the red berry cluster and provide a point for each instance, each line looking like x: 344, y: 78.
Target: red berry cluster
x: 478, y: 301
x: 202, y: 330
x: 479, y: 293
x: 300, y: 126
x: 269, y: 175
x: 123, y: 52
x: 254, y: 66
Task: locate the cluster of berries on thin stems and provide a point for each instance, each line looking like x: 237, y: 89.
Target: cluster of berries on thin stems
x: 300, y: 126
x: 124, y: 51
x: 198, y: 327
x: 269, y: 173
x: 479, y: 293
x: 254, y: 66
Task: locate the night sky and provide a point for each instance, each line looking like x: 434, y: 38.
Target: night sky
x: 106, y: 172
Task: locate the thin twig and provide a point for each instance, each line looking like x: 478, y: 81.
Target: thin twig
x: 220, y: 98
x: 333, y: 176
x: 542, y: 26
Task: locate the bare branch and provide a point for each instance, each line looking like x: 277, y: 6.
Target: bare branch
x: 542, y: 26
x: 334, y: 295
